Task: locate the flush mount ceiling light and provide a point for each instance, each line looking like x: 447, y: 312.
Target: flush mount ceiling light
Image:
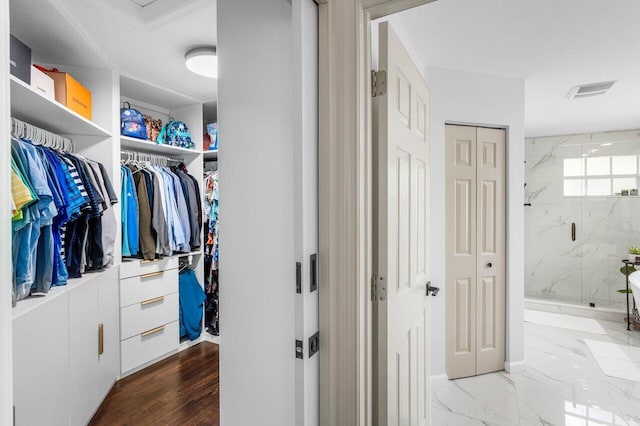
x: 202, y: 61
x: 588, y: 90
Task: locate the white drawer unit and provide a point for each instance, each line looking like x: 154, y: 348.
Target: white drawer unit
x: 147, y: 286
x: 149, y: 309
x: 141, y: 267
x: 148, y: 314
x: 149, y: 345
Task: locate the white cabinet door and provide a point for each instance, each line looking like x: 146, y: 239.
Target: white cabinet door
x: 109, y: 317
x: 92, y: 373
x: 83, y: 351
x: 402, y: 339
x: 41, y: 365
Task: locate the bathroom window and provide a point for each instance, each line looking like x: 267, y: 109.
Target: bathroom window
x: 598, y: 166
x: 602, y: 176
x: 624, y: 165
x: 598, y: 187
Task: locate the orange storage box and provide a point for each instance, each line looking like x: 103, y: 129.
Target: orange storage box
x: 71, y: 93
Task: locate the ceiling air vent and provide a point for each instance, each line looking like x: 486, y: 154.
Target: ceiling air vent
x: 143, y: 3
x: 593, y: 89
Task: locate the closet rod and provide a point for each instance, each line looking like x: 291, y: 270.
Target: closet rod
x: 38, y: 136
x: 152, y: 158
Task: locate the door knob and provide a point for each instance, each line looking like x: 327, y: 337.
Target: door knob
x: 489, y: 265
x: 434, y: 290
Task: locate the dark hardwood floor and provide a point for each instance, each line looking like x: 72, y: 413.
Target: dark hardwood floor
x: 181, y: 390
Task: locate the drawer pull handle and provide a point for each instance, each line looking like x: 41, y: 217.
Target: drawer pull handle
x: 152, y: 274
x: 151, y: 261
x: 154, y: 300
x: 100, y: 339
x: 152, y: 331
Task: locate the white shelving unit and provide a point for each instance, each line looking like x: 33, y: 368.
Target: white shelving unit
x: 74, y: 377
x: 164, y: 104
x: 133, y: 144
x: 29, y: 105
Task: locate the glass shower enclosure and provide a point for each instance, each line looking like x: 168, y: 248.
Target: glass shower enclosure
x: 582, y: 214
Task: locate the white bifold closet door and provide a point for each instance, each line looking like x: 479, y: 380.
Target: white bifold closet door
x: 475, y: 250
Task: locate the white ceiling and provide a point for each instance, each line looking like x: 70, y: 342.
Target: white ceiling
x: 553, y: 45
x: 143, y: 39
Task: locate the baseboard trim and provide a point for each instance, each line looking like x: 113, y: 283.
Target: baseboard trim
x: 439, y: 379
x: 515, y: 367
x: 606, y: 314
x: 211, y: 338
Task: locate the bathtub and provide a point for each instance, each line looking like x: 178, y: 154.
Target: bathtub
x: 634, y: 285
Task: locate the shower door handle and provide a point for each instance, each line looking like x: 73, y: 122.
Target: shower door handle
x: 573, y: 231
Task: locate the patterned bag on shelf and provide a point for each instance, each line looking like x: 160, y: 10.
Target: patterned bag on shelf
x: 212, y: 130
x: 154, y: 126
x: 176, y: 133
x: 132, y: 122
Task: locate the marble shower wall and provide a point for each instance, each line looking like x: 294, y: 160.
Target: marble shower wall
x: 586, y: 270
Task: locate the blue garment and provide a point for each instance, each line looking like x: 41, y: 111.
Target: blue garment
x: 25, y: 241
x: 129, y: 214
x: 52, y: 243
x: 37, y: 175
x: 97, y: 203
x: 192, y: 299
x: 44, y: 262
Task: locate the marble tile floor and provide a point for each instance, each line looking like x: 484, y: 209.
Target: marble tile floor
x: 616, y: 360
x: 563, y: 385
x: 564, y: 321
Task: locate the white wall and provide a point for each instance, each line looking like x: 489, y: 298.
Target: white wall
x: 257, y: 280
x: 458, y: 96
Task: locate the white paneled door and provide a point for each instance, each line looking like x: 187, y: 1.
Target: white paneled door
x: 475, y: 250
x: 402, y: 308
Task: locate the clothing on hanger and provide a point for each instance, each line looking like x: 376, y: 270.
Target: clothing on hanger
x: 161, y: 210
x: 212, y: 251
x: 59, y: 203
x: 191, y: 301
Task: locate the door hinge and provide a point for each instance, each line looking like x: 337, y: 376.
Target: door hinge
x: 378, y: 288
x: 378, y: 83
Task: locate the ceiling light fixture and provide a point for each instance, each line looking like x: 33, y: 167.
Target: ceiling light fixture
x: 606, y: 144
x: 202, y: 61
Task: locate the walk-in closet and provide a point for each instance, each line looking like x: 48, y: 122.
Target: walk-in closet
x: 115, y: 198
x: 158, y: 278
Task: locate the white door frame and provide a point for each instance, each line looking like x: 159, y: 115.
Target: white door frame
x: 6, y: 347
x: 345, y: 208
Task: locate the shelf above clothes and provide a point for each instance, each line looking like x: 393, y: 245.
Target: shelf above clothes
x: 31, y: 106
x: 151, y: 147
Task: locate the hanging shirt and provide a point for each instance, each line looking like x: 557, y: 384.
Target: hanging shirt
x: 191, y: 298
x: 130, y: 218
x: 20, y: 192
